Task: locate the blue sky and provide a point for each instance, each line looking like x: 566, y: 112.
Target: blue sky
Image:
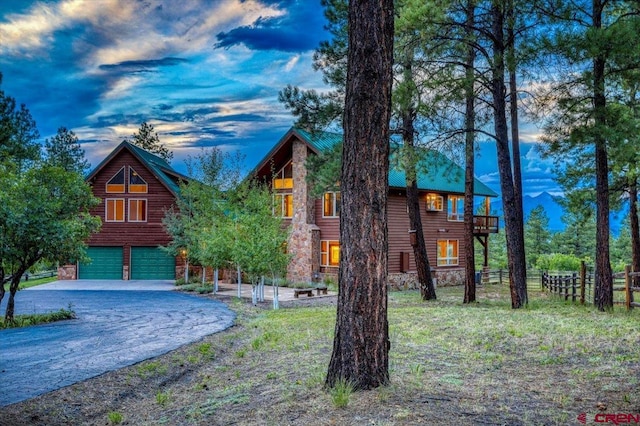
x: 203, y: 72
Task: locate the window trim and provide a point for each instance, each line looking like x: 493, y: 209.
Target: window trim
x: 281, y: 207
x: 448, y: 260
x: 456, y: 216
x: 146, y: 209
x: 432, y: 205
x: 106, y: 210
x: 279, y: 180
x: 124, y: 183
x: 335, y: 214
x: 326, y: 254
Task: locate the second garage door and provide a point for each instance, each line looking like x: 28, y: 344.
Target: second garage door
x: 152, y: 263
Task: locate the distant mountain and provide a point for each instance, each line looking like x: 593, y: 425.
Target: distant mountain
x: 553, y: 210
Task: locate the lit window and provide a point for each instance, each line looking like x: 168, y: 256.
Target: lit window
x: 114, y: 210
x: 447, y: 252
x: 137, y: 210
x: 434, y: 202
x: 136, y: 183
x: 330, y: 253
x: 456, y: 208
x: 284, y: 178
x: 331, y: 204
x: 116, y: 183
x: 283, y: 205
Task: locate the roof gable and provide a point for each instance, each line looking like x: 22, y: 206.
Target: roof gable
x: 156, y: 165
x: 436, y: 172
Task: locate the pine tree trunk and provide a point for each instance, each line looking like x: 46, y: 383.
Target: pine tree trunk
x: 513, y: 222
x: 634, y: 226
x: 423, y: 268
x: 469, y: 119
x: 427, y: 288
x: 513, y: 113
x: 603, y: 293
x: 361, y: 343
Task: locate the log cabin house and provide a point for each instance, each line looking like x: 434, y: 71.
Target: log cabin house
x: 135, y: 188
x: 315, y: 230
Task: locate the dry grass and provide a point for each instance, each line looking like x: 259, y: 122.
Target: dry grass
x: 449, y: 364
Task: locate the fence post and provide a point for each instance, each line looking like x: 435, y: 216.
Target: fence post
x: 567, y: 281
x: 583, y: 281
x: 500, y: 275
x: 627, y: 286
x: 574, y: 284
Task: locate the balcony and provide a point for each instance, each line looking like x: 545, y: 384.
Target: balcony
x: 483, y: 225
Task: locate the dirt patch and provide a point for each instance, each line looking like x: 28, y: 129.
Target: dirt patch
x: 269, y: 369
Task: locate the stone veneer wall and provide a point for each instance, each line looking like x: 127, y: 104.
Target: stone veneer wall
x: 409, y: 280
x: 67, y: 272
x: 304, y: 240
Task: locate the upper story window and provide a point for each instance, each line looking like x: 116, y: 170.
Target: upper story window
x: 283, y: 205
x: 456, y: 208
x: 114, y: 210
x: 434, y: 202
x: 284, y: 178
x: 331, y: 204
x: 137, y: 210
x: 136, y: 183
x: 116, y: 183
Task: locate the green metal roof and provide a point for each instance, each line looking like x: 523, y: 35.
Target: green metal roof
x: 321, y: 141
x: 436, y: 172
x: 156, y: 165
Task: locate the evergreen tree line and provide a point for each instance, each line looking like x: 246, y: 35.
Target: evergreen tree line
x: 564, y: 250
x: 469, y: 69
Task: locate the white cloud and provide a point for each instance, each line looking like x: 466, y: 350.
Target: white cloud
x: 291, y: 63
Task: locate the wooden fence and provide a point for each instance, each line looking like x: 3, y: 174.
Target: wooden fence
x: 577, y: 285
x: 630, y: 286
x: 573, y: 285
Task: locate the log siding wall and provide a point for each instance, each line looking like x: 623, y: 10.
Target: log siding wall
x: 131, y: 234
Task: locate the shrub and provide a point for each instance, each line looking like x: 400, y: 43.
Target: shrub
x: 558, y: 262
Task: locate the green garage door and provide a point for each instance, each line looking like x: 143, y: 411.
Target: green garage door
x: 106, y: 264
x: 152, y: 263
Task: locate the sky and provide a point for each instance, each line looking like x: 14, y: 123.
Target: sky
x: 204, y: 73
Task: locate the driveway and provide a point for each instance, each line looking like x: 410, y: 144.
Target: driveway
x: 118, y: 324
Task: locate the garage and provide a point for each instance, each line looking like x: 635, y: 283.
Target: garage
x: 106, y: 264
x: 152, y: 263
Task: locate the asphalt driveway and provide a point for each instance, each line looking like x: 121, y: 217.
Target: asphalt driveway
x: 118, y: 324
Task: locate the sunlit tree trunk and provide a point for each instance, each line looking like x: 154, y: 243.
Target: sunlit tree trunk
x: 361, y: 343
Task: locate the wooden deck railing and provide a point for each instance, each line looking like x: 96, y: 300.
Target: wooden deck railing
x: 486, y: 224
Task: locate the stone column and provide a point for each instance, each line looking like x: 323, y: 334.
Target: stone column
x: 301, y: 245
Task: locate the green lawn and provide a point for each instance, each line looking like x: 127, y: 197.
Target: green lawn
x: 450, y: 364
x: 33, y: 283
